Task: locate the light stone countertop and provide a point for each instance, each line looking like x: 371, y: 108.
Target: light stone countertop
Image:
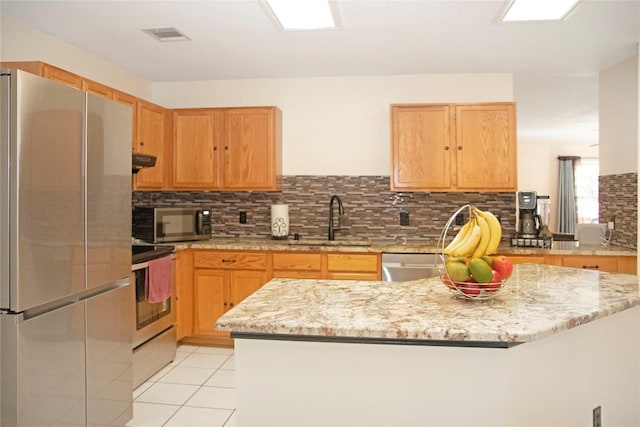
x: 378, y: 246
x: 537, y: 301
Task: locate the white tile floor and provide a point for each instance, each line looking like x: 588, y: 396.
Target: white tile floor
x: 196, y: 390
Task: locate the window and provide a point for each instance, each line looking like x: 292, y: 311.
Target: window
x: 586, y: 185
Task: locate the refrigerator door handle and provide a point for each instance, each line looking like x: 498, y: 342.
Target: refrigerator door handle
x: 123, y: 281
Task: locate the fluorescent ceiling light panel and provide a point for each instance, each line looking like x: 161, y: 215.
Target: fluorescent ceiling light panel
x: 538, y: 10
x: 291, y: 15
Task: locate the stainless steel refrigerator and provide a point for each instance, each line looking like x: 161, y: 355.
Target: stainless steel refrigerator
x: 65, y: 257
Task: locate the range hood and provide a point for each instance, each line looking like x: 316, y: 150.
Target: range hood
x: 139, y: 161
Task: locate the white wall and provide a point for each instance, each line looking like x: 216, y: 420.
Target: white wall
x: 19, y: 42
x: 619, y: 118
x: 336, y: 125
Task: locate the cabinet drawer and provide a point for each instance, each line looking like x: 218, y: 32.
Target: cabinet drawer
x: 353, y: 276
x: 297, y: 261
x: 230, y: 260
x: 296, y: 274
x: 359, y: 263
x: 601, y: 263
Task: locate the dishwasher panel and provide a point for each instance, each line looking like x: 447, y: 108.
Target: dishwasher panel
x: 400, y: 267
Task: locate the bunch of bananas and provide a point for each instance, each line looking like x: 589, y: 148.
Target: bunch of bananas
x: 478, y: 237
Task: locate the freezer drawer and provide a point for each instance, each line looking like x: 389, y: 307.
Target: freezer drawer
x: 42, y: 375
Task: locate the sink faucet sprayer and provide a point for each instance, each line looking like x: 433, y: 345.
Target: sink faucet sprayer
x: 332, y: 229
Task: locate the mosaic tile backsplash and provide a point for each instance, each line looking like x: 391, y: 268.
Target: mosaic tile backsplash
x: 371, y: 209
x: 618, y: 196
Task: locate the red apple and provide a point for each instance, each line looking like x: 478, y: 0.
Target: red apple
x: 495, y: 284
x: 502, y: 265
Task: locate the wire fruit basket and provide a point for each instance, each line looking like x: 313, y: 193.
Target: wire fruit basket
x: 470, y: 289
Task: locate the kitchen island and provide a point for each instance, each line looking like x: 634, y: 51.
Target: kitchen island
x: 555, y: 344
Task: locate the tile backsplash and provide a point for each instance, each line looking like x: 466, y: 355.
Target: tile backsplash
x: 371, y: 209
x: 618, y: 196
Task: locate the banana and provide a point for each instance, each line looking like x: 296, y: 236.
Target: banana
x: 462, y: 233
x: 485, y: 237
x: 495, y: 229
x: 470, y: 243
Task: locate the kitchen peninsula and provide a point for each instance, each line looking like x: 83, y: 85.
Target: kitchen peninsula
x: 555, y: 344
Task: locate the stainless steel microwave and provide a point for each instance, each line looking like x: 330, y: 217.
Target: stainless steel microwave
x: 157, y: 225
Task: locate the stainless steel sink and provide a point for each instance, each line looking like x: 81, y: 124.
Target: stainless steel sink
x: 322, y: 242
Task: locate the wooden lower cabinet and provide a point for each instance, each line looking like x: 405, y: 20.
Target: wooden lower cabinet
x: 297, y: 265
x: 184, y: 293
x: 221, y: 280
x: 608, y: 263
x: 353, y: 266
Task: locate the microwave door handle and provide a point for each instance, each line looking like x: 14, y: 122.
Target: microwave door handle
x: 199, y: 222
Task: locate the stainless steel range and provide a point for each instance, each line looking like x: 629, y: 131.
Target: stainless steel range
x: 154, y: 334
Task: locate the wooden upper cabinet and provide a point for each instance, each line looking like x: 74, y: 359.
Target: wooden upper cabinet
x: 486, y: 147
x: 227, y: 149
x: 252, y: 149
x: 61, y: 76
x: 98, y: 89
x: 453, y: 147
x: 420, y: 147
x: 130, y: 100
x: 151, y: 140
x: 196, y: 149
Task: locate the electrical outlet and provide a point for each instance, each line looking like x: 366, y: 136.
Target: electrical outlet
x: 243, y: 217
x: 597, y: 416
x: 611, y: 225
x: 404, y: 218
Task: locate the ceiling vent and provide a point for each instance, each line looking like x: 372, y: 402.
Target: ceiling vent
x: 169, y: 34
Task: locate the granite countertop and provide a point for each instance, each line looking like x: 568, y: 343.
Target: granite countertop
x: 537, y: 301
x: 378, y: 246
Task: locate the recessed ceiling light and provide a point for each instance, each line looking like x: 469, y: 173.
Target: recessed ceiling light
x: 168, y: 34
x: 538, y: 10
x: 298, y: 15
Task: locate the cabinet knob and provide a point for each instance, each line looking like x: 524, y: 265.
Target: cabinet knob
x: 446, y: 148
x: 226, y: 148
x: 459, y: 147
x: 215, y: 148
x: 228, y: 260
x: 224, y: 303
x: 591, y: 267
x: 141, y: 142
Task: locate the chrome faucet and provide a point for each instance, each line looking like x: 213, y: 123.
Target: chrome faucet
x: 332, y: 229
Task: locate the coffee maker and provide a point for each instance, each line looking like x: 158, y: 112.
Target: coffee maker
x: 529, y: 223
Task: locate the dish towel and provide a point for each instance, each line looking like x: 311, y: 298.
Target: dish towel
x: 157, y: 285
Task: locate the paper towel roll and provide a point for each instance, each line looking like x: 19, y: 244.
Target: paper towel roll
x: 279, y: 221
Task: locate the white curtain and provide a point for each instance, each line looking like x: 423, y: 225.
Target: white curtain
x: 566, y: 195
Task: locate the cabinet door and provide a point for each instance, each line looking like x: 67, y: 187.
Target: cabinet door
x: 97, y: 89
x: 150, y: 140
x: 210, y: 300
x: 244, y: 283
x: 250, y: 149
x: 130, y: 100
x: 420, y: 147
x: 62, y: 76
x: 196, y: 148
x: 486, y: 147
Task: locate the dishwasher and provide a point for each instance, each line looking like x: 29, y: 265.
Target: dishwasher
x: 401, y: 267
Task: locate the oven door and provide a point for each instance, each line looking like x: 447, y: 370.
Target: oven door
x: 150, y: 319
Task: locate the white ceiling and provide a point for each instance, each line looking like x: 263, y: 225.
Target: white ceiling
x: 555, y: 65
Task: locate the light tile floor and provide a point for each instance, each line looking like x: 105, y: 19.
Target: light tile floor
x: 196, y: 390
